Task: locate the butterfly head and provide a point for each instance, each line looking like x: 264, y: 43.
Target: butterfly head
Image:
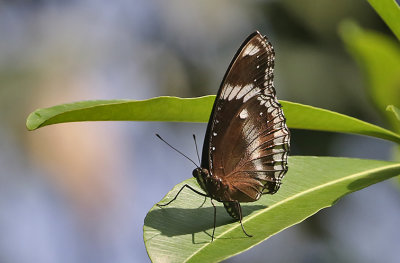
x: 201, y: 175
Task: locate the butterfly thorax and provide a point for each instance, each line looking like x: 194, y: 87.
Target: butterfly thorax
x: 213, y: 185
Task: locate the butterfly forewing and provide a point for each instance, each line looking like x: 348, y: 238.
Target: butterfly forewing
x: 247, y: 140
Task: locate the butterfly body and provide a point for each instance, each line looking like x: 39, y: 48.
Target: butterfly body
x: 214, y: 186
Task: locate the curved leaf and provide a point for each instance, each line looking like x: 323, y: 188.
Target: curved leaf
x: 306, y: 117
x: 181, y: 231
x: 196, y: 110
x: 155, y: 109
x: 389, y: 11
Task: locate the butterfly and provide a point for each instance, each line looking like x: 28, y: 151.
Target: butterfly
x: 247, y: 140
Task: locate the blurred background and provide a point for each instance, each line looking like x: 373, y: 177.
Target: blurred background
x: 79, y: 192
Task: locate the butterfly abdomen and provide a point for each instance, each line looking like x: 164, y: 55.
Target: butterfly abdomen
x: 233, y: 209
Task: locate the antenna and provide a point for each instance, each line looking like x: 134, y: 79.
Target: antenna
x: 159, y: 137
x: 197, y: 150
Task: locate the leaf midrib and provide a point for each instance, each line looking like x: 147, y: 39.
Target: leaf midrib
x: 293, y: 197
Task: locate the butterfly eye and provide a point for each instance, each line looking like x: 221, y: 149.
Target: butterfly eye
x: 196, y: 173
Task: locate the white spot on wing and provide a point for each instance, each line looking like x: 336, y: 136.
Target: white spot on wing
x: 244, y: 90
x: 278, y: 119
x: 244, y: 114
x: 251, y: 94
x: 228, y: 89
x: 234, y: 92
x: 280, y: 133
x: 276, y: 157
x: 276, y: 150
x: 258, y: 164
x: 250, y: 50
x: 279, y: 140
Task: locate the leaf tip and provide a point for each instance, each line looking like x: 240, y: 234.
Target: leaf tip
x: 33, y: 121
x: 393, y: 109
x: 348, y: 29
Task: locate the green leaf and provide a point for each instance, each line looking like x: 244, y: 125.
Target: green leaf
x: 394, y: 110
x: 311, y: 118
x: 156, y: 109
x: 181, y: 231
x: 379, y: 58
x: 389, y: 11
x: 196, y: 110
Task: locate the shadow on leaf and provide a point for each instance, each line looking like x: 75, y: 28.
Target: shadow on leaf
x: 371, y: 178
x: 182, y: 221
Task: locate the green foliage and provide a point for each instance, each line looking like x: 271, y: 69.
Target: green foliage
x: 155, y: 109
x: 389, y: 11
x: 196, y: 110
x: 181, y: 231
x: 379, y: 58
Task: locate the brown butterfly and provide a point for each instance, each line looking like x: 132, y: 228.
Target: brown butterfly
x: 247, y: 141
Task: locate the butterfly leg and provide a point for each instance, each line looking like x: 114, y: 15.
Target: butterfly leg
x: 205, y: 199
x: 215, y: 219
x: 240, y: 218
x: 188, y: 186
